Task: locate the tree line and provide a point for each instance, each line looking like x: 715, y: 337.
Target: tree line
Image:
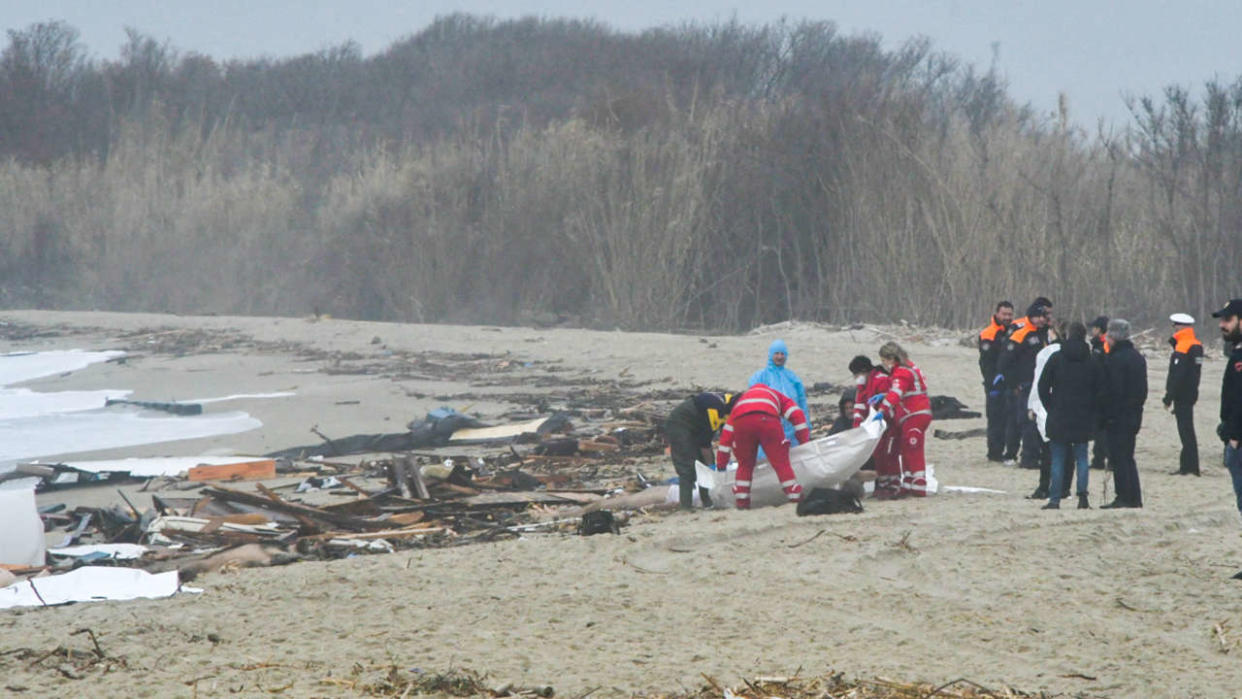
x: 707, y: 177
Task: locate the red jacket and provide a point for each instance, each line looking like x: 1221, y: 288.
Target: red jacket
x: 877, y: 384
x: 766, y: 401
x: 908, y: 394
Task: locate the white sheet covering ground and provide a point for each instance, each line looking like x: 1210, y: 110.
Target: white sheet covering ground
x: 156, y: 465
x: 118, y: 551
x: 21, y: 530
x: 91, y: 584
x: 822, y: 463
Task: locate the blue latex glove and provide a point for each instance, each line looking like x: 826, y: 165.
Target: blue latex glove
x: 875, y: 400
x: 876, y: 417
x: 1000, y: 378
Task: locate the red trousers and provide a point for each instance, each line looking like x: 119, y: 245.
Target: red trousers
x: 888, y: 463
x: 913, y: 465
x: 749, y: 432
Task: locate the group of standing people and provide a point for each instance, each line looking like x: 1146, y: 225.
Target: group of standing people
x: 1053, y: 388
x: 772, y: 415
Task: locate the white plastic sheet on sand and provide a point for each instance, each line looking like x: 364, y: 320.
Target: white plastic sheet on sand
x: 822, y: 463
x: 91, y: 584
x: 21, y: 530
x: 150, y: 467
x: 118, y: 551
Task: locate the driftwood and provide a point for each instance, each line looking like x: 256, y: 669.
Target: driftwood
x: 313, y: 513
x: 174, y: 408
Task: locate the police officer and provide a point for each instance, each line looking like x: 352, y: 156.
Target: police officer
x: 1181, y: 389
x: 1230, y: 428
x: 689, y: 430
x: 991, y: 343
x: 1015, y: 371
x: 1126, y: 391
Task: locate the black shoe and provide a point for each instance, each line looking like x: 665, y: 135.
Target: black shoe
x: 1179, y: 473
x: 1237, y: 575
x: 1115, y: 504
x: 1051, y: 506
x: 1082, y: 502
x: 1039, y: 494
x: 998, y: 459
x: 1028, y: 464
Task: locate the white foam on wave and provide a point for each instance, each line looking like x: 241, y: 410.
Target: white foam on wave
x: 34, y: 424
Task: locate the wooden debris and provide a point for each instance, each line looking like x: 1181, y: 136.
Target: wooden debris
x: 245, y: 470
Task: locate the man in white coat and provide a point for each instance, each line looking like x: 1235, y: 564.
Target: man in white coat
x: 1039, y: 414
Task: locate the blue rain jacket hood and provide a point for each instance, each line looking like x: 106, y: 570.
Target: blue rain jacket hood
x: 777, y: 346
x: 785, y: 381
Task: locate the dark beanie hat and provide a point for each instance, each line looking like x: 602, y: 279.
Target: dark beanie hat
x: 1100, y: 322
x: 1037, y: 310
x: 860, y: 364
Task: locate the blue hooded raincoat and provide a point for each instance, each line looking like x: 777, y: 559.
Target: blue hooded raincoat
x: 785, y: 381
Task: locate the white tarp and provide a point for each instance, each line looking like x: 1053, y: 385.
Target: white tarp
x: 91, y: 584
x: 21, y: 530
x: 149, y: 467
x: 822, y: 463
x: 117, y: 551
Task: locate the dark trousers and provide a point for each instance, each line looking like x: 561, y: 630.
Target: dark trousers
x: 685, y: 452
x: 1099, y: 449
x: 1033, y: 447
x: 1015, y: 413
x: 1185, y: 414
x: 996, y: 414
x: 1125, y: 471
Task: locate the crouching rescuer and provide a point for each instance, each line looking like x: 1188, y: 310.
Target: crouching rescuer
x: 755, y: 421
x: 907, y: 403
x: 689, y: 430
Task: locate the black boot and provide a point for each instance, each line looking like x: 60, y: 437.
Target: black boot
x: 1039, y: 494
x: 1082, y: 502
x: 1051, y: 506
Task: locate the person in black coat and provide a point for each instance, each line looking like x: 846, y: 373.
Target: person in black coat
x: 1071, y: 387
x: 1181, y: 389
x: 1123, y: 412
x: 689, y: 430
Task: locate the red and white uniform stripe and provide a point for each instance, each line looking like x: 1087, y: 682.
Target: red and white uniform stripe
x: 755, y: 420
x: 908, y: 405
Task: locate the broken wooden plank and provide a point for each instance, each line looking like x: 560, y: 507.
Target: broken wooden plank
x: 383, y: 534
x: 337, y: 520
x: 245, y: 470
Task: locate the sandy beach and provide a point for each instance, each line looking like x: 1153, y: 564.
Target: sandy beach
x: 983, y: 586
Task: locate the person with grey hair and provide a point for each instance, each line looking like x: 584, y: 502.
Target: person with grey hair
x: 1125, y: 391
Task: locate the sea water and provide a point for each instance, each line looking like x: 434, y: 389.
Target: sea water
x: 36, y: 424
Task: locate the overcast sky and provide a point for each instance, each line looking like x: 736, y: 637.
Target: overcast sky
x: 1095, y: 51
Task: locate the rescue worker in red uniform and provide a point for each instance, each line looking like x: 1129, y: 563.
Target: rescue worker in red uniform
x: 873, y: 383
x: 755, y: 421
x: 907, y: 405
x: 991, y: 342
